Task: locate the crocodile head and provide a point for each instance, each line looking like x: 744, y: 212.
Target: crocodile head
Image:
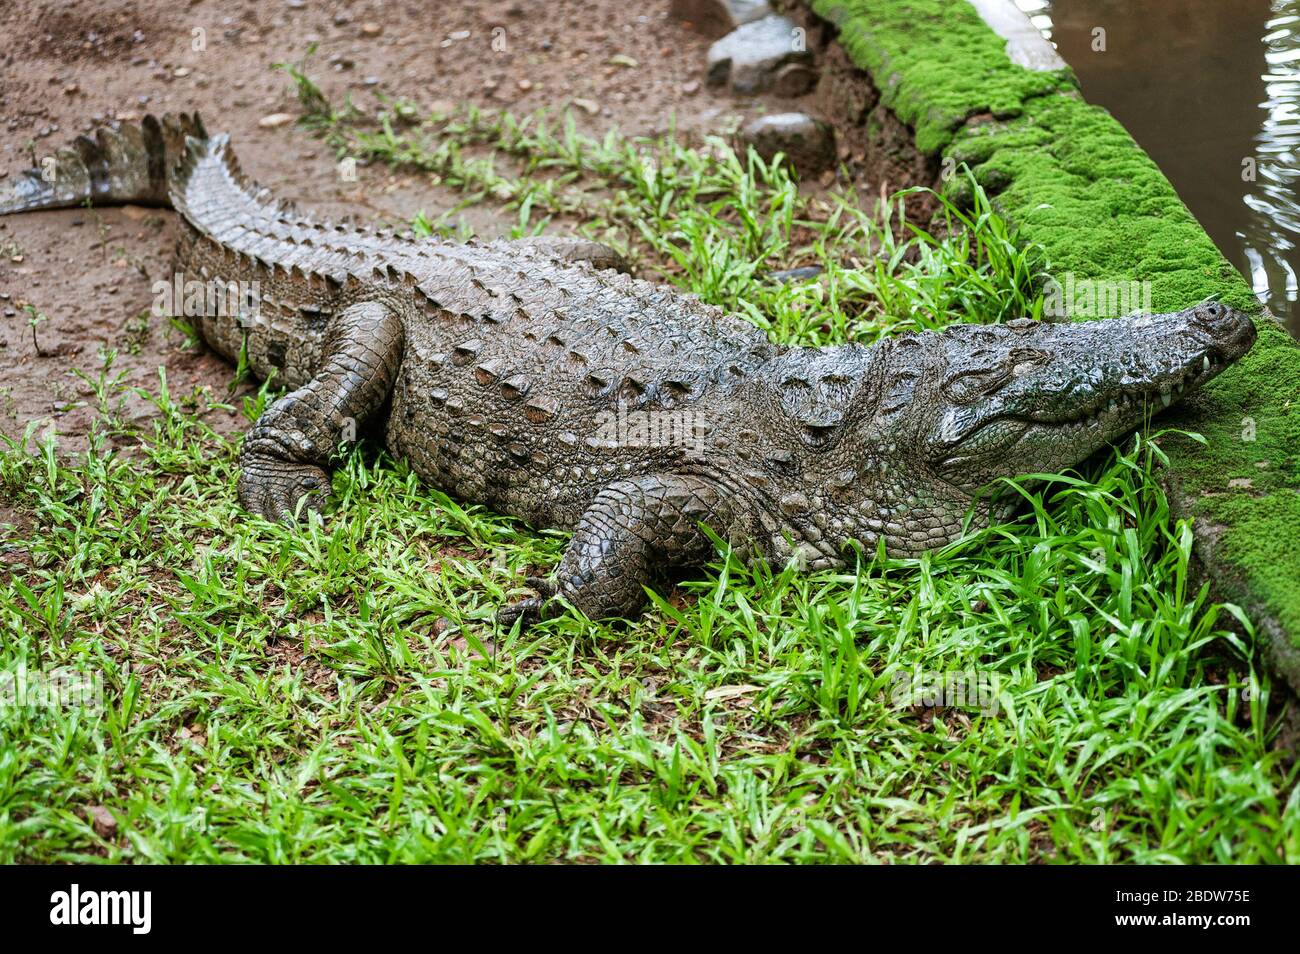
x: 905, y: 439
x: 1031, y: 397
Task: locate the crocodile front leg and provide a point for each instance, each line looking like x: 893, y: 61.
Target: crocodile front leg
x: 284, y: 456
x: 633, y: 531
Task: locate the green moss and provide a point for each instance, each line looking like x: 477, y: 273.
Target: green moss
x: 897, y: 44
x: 1073, y: 181
x: 1250, y: 418
x: 1246, y: 477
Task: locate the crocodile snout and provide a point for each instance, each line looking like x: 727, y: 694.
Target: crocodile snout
x: 1230, y: 331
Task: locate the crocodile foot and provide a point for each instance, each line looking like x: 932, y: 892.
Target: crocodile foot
x: 282, y: 491
x: 531, y: 610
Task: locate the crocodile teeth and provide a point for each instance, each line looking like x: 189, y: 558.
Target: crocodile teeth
x: 1166, y: 398
x: 1205, y: 363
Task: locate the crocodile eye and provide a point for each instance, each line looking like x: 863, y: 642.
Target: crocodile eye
x: 1024, y: 360
x: 972, y: 385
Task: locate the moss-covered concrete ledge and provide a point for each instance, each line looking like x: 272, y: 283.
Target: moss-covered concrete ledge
x: 1073, y: 180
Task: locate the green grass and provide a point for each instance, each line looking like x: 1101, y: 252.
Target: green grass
x: 340, y: 692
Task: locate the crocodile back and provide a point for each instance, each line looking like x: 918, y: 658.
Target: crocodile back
x: 529, y: 383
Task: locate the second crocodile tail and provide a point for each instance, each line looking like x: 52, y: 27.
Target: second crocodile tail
x: 123, y: 163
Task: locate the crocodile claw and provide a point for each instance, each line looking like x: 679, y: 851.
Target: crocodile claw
x: 531, y: 610
x: 282, y: 492
x: 525, y: 612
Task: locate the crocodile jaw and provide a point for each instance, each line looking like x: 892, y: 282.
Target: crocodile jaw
x: 1040, y: 398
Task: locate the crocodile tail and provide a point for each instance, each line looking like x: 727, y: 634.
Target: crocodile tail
x: 123, y: 163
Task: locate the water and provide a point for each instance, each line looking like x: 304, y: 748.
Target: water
x: 1211, y: 90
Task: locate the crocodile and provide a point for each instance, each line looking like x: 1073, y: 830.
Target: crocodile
x: 538, y: 378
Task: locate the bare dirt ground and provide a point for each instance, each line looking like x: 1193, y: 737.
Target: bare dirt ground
x: 65, y: 68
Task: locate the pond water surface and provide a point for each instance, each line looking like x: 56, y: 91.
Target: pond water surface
x: 1211, y: 90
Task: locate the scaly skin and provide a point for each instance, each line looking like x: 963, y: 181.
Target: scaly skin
x: 534, y: 378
